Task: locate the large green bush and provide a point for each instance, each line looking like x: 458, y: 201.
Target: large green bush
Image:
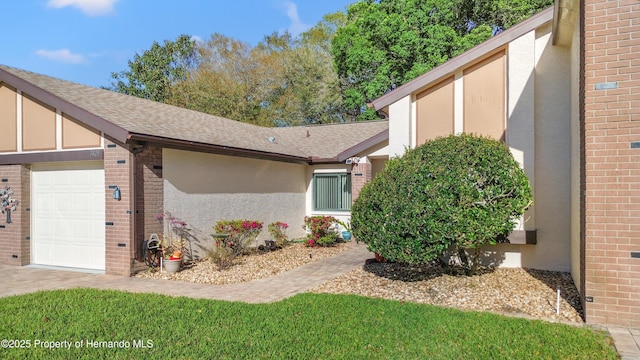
x: 452, y: 193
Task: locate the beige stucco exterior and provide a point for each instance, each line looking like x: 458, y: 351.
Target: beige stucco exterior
x: 30, y: 125
x: 437, y: 103
x: 552, y: 155
x: 76, y: 135
x: 484, y: 97
x: 202, y: 189
x: 8, y: 116
x: 538, y: 132
x: 38, y: 125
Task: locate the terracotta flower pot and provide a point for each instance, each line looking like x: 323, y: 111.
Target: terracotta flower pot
x: 380, y: 258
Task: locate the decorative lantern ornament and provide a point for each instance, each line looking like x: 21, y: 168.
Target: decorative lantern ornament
x: 7, y: 203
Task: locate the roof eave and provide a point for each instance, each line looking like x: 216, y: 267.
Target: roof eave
x: 465, y: 58
x: 360, y: 147
x: 564, y: 18
x: 319, y: 160
x: 108, y: 128
x: 218, y: 149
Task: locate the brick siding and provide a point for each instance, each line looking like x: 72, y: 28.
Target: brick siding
x: 611, y: 178
x: 360, y: 175
x: 149, y: 192
x: 14, y: 236
x: 119, y: 244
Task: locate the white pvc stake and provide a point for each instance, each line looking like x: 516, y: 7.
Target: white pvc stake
x: 558, y: 303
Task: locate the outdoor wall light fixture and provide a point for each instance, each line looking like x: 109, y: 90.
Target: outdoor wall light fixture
x: 352, y: 160
x: 116, y: 193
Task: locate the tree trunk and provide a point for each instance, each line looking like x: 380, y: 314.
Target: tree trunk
x: 464, y: 260
x: 476, y: 260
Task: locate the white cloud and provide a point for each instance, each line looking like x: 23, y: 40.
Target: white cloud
x: 62, y: 55
x: 197, y: 39
x: 89, y: 7
x: 297, y: 26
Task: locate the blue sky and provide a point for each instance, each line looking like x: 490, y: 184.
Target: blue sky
x: 86, y: 40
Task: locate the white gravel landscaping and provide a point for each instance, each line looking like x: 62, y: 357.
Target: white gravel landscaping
x: 513, y: 291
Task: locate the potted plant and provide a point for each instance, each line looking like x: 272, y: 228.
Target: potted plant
x: 173, y: 242
x: 172, y: 251
x: 346, y: 230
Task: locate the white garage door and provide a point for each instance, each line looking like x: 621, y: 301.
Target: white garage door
x: 68, y: 215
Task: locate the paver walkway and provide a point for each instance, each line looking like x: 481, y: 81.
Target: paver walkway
x: 22, y: 280
x: 627, y: 342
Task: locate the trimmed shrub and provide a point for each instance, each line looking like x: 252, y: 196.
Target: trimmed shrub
x: 452, y: 193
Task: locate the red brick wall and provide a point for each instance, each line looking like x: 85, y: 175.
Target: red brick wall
x: 360, y: 175
x: 149, y: 194
x: 14, y: 236
x: 118, y: 170
x: 612, y: 167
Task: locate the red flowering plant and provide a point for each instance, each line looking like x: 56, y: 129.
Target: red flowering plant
x: 236, y: 235
x: 322, y: 230
x: 277, y: 230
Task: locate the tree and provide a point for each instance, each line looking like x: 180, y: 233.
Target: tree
x: 283, y: 81
x: 227, y: 81
x: 452, y: 193
x: 153, y: 74
x: 387, y: 43
x: 308, y: 92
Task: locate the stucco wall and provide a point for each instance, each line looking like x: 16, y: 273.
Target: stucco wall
x: 552, y: 192
x: 539, y: 135
x: 202, y: 189
x: 520, y: 110
x: 400, y: 126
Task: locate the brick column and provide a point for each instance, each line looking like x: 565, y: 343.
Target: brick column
x: 611, y: 160
x: 14, y: 236
x: 360, y: 175
x: 149, y: 191
x: 119, y: 232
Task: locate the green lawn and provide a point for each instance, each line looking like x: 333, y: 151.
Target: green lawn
x: 307, y: 326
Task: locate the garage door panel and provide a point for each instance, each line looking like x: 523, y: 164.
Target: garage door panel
x: 68, y: 215
x: 63, y: 203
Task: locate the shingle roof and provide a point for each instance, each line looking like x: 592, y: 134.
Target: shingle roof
x: 333, y: 141
x: 126, y: 117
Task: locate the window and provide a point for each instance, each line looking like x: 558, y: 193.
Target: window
x: 332, y: 192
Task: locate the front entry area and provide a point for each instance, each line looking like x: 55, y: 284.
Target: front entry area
x: 68, y: 214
